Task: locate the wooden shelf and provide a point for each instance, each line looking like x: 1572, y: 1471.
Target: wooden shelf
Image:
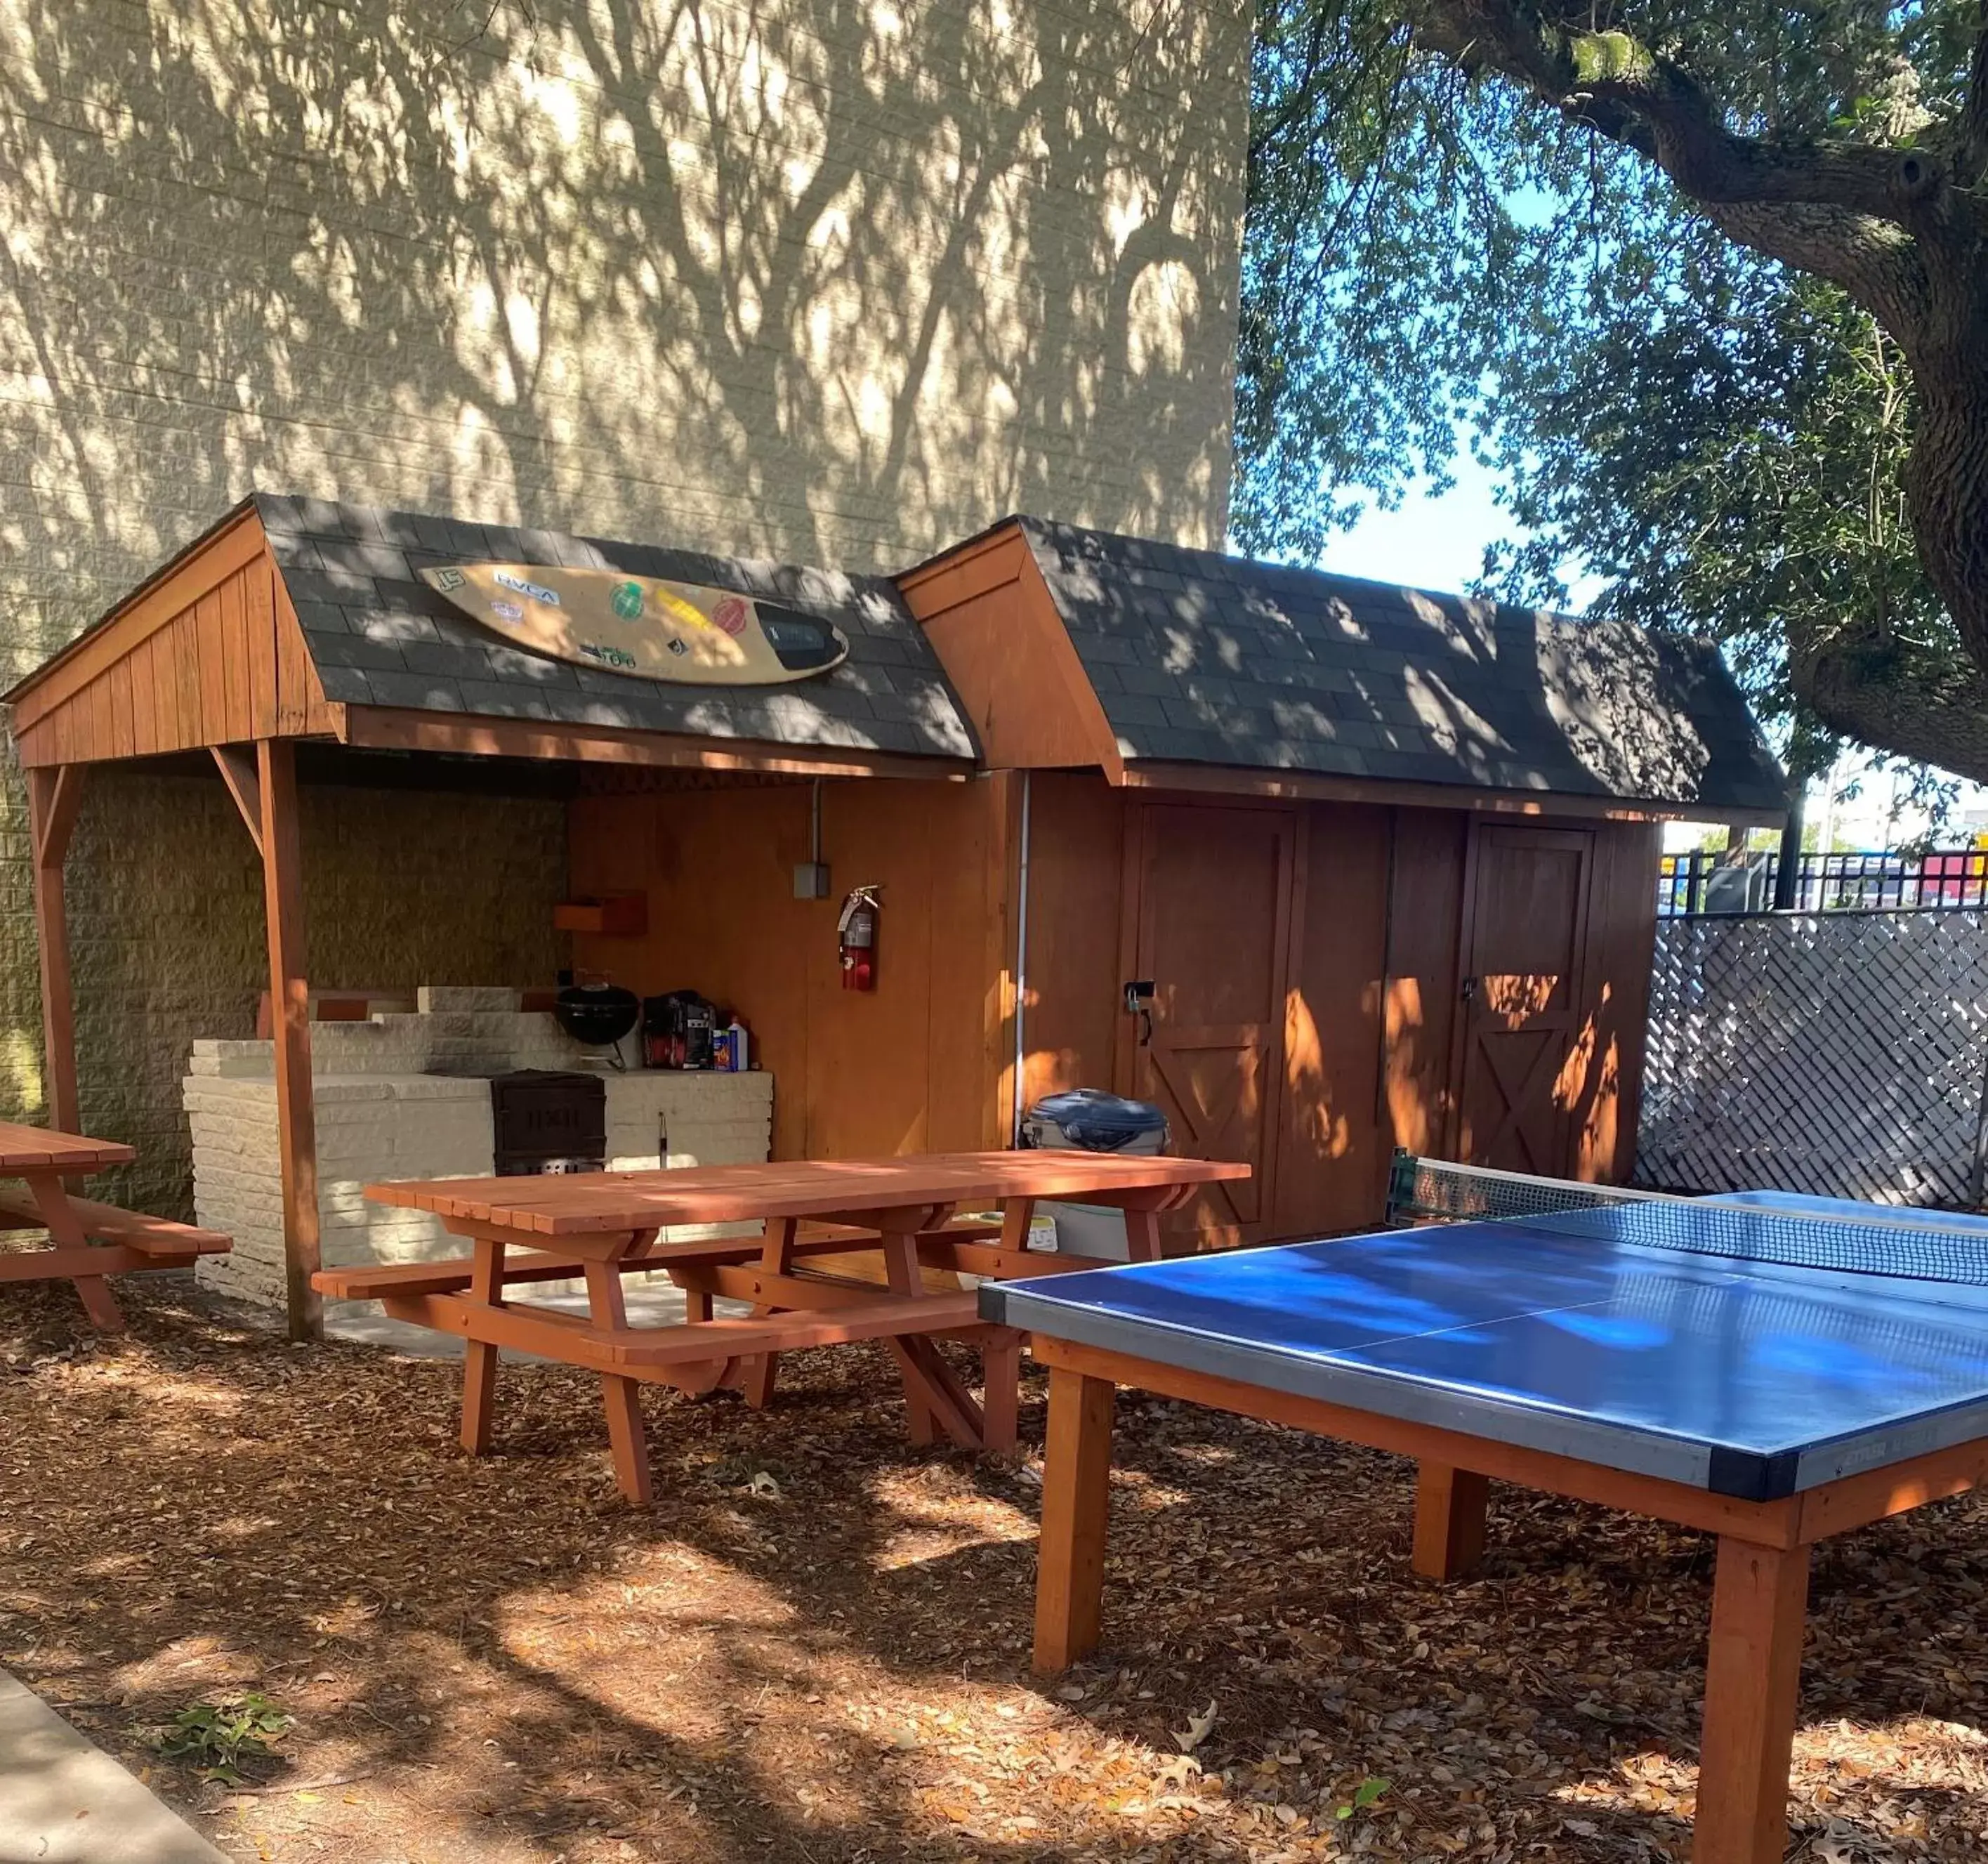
x: 618, y: 916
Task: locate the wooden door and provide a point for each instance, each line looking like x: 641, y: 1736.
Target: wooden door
x: 1211, y: 932
x: 1525, y: 932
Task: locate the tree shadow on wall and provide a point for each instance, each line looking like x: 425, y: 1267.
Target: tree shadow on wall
x: 823, y: 279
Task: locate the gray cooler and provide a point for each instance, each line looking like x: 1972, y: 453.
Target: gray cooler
x: 1087, y: 1120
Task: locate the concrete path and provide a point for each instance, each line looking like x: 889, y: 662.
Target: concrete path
x: 64, y: 1801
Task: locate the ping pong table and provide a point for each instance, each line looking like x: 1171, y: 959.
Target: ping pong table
x: 1771, y: 1370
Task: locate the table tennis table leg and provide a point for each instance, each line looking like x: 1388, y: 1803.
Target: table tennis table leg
x: 1449, y: 1520
x: 1076, y: 1502
x: 1753, y: 1683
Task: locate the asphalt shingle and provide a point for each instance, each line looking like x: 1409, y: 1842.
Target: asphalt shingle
x: 1201, y: 658
x: 380, y: 636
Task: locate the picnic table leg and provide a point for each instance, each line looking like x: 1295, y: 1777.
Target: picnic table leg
x: 907, y: 1277
x: 64, y: 1227
x: 479, y: 1361
x: 1142, y: 1235
x: 1001, y: 1390
x: 621, y: 1398
x: 1076, y: 1500
x: 1752, y: 1682
x: 776, y: 1258
x: 1449, y: 1520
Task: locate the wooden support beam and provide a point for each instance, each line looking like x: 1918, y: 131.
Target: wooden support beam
x: 54, y: 794
x: 1753, y: 1684
x: 1076, y: 1505
x: 1449, y: 1520
x: 237, y: 771
x: 289, y: 1012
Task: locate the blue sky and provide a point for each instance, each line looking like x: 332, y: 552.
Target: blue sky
x: 1434, y: 542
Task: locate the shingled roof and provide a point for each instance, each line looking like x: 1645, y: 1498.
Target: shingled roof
x: 378, y: 636
x: 1198, y: 657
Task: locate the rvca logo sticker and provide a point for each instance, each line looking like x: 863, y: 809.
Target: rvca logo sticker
x: 537, y: 591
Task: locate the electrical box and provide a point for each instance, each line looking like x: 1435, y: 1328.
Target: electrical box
x: 811, y: 880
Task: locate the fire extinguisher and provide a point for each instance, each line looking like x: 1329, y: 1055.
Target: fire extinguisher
x: 857, y: 932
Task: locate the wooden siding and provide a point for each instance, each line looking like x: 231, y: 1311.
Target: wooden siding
x: 919, y: 1064
x: 208, y: 653
x: 1333, y: 1142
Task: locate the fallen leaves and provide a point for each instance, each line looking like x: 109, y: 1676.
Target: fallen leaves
x: 813, y: 1647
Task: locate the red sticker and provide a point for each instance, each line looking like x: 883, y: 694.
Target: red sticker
x: 732, y: 613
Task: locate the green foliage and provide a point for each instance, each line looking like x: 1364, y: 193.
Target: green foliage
x: 1718, y: 441
x: 215, y: 1738
x: 1366, y: 1796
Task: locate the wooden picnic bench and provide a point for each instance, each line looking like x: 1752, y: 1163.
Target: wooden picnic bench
x: 87, y: 1241
x: 850, y: 1250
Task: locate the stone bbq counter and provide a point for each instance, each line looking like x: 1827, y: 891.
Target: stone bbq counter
x: 408, y: 1096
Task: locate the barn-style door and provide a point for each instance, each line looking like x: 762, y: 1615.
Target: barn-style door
x: 1209, y: 909
x: 1524, y: 935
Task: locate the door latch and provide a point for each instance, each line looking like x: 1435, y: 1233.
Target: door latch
x: 1470, y: 989
x: 1139, y: 994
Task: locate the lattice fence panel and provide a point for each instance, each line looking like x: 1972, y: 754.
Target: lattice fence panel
x: 1840, y: 1053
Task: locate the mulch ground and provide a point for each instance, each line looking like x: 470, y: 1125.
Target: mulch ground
x: 813, y: 1646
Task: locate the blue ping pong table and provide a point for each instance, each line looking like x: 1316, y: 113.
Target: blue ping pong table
x: 1771, y: 1369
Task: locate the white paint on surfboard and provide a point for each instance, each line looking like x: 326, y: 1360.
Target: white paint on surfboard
x: 643, y: 626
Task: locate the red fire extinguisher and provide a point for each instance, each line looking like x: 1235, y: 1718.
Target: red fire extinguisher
x: 856, y: 931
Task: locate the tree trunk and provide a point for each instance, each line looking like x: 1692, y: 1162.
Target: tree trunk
x: 1946, y: 473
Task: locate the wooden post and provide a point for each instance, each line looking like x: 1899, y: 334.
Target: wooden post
x: 1752, y: 1681
x: 1076, y: 1506
x: 54, y: 794
x: 290, y: 1016
x: 1449, y: 1520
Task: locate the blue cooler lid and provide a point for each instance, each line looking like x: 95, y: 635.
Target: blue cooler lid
x: 1098, y: 1122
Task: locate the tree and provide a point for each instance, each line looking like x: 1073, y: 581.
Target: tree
x: 1713, y: 279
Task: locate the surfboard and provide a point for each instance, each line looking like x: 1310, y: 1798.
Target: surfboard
x: 642, y: 626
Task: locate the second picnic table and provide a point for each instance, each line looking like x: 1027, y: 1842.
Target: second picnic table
x: 902, y: 1212
x: 87, y: 1241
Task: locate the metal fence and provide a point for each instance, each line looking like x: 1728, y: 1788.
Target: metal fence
x: 1840, y: 1053
x: 1708, y: 880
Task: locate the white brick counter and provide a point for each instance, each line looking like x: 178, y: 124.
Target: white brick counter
x: 380, y: 1115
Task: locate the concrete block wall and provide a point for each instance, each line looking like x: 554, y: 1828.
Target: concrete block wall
x: 167, y: 938
x: 385, y: 1119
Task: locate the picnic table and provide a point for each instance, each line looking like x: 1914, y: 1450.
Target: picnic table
x: 851, y: 1249
x: 87, y: 1241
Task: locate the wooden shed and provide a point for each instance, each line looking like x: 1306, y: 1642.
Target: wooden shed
x: 1387, y: 860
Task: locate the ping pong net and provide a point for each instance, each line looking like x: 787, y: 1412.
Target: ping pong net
x: 1909, y: 1244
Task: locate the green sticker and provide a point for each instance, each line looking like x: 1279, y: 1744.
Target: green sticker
x: 627, y: 601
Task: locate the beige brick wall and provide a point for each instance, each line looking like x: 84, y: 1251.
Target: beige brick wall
x: 836, y: 283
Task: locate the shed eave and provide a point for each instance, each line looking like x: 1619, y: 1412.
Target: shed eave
x: 1236, y: 780
x: 468, y: 734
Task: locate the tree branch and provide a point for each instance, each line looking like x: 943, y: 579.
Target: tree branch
x: 1616, y: 86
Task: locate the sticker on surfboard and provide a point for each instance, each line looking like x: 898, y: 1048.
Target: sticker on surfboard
x: 643, y: 626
